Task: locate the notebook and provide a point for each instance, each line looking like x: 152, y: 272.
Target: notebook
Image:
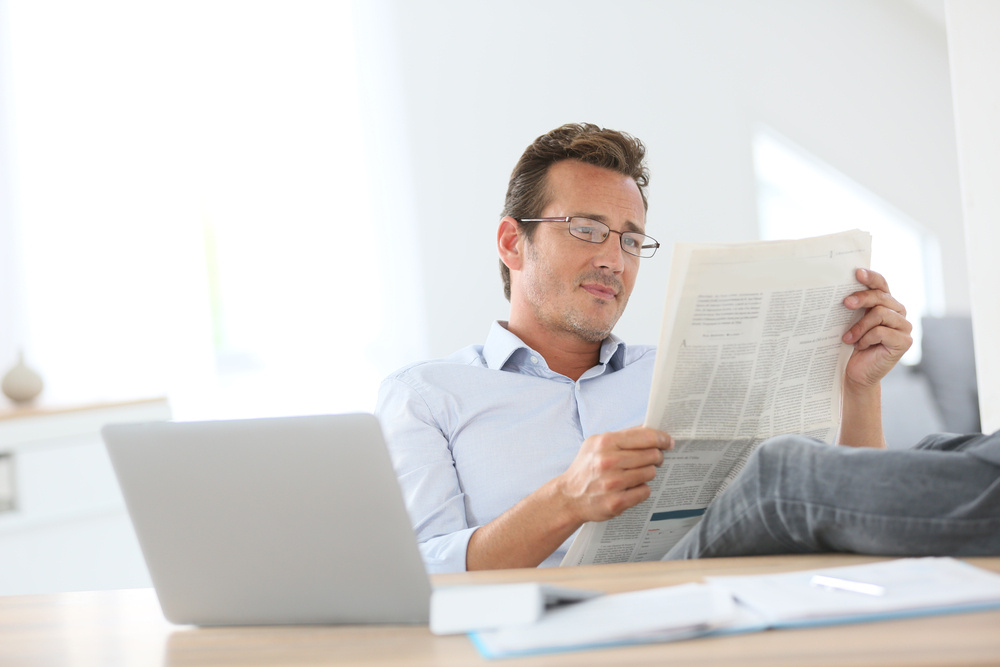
x: 287, y: 520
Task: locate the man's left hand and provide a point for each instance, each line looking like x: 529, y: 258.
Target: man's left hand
x: 882, y: 334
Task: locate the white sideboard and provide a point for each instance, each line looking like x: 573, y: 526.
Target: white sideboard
x: 63, y: 523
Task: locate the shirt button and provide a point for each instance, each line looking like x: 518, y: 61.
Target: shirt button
x: 534, y: 360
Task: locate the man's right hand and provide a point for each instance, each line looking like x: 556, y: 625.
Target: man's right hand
x: 611, y: 471
x: 608, y: 475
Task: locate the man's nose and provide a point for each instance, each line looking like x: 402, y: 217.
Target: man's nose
x: 610, y: 254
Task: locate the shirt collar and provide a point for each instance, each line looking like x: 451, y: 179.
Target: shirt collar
x: 613, y: 352
x: 501, y: 345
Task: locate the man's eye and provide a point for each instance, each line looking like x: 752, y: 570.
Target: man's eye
x: 584, y: 230
x: 630, y: 242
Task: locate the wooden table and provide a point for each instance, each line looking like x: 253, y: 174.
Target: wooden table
x: 110, y: 628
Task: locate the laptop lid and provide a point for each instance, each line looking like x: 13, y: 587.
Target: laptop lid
x: 288, y: 520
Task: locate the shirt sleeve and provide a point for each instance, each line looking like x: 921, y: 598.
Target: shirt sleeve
x: 421, y: 455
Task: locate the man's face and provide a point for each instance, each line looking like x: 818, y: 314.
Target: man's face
x: 570, y: 286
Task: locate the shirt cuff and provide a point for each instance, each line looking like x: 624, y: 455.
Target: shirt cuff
x: 447, y: 553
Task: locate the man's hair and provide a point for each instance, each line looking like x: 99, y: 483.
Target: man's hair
x: 528, y: 193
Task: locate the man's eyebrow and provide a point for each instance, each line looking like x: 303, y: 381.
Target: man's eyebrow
x: 634, y: 227
x: 629, y: 225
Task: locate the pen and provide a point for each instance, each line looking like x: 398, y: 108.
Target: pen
x: 836, y: 583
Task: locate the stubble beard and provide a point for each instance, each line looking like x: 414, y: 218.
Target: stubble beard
x: 576, y: 326
x: 572, y: 320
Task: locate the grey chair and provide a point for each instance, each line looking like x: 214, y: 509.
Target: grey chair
x: 940, y: 393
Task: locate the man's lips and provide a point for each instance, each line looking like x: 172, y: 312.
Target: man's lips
x: 600, y: 291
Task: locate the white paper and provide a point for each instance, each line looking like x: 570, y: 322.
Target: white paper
x: 739, y: 604
x: 911, y: 585
x: 658, y: 614
x: 750, y: 348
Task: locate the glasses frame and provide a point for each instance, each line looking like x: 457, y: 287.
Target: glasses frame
x: 644, y: 239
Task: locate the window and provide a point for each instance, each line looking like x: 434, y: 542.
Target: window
x: 193, y: 205
x: 800, y: 196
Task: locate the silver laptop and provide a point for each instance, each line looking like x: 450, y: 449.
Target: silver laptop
x: 289, y: 520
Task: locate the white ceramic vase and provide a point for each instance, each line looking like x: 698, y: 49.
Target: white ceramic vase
x: 21, y: 384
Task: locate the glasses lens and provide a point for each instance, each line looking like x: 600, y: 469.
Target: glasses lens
x: 639, y: 245
x: 595, y: 231
x: 588, y: 230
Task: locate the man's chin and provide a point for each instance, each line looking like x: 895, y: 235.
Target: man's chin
x: 592, y: 332
x: 592, y: 336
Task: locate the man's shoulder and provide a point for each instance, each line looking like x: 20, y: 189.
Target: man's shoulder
x: 468, y: 357
x: 639, y: 355
x: 636, y: 352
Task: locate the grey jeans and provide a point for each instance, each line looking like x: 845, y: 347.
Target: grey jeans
x: 797, y: 495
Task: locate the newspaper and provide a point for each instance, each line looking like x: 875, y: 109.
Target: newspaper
x: 750, y: 348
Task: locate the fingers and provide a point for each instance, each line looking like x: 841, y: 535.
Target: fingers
x: 882, y: 310
x: 639, y: 437
x: 880, y: 325
x: 880, y: 337
x: 877, y: 293
x: 871, y: 279
x: 613, y: 494
x: 635, y: 447
x: 628, y: 498
x: 611, y: 471
x: 894, y: 343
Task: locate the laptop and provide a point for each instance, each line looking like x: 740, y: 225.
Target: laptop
x: 287, y: 520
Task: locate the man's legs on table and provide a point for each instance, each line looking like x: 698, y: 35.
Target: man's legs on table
x: 797, y: 495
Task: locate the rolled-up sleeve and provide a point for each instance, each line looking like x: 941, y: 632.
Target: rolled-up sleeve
x: 425, y: 468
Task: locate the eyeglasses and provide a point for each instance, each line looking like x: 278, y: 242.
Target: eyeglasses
x: 595, y: 231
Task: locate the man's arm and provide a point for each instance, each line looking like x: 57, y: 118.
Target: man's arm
x: 426, y: 473
x: 608, y: 476
x: 880, y: 338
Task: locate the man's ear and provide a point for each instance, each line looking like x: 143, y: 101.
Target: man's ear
x: 509, y: 244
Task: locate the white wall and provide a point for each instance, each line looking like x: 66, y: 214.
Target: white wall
x: 973, y: 29
x: 10, y: 270
x: 455, y: 90
x: 862, y: 84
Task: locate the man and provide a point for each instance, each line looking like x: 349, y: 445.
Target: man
x: 504, y: 450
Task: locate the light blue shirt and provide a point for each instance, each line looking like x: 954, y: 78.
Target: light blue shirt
x: 472, y: 434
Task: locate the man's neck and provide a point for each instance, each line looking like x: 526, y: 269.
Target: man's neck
x: 564, y: 353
